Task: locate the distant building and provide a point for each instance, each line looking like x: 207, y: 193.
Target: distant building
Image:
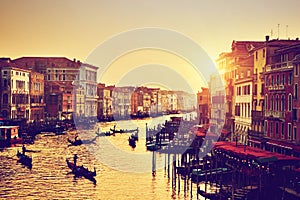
x: 122, y: 102
x: 15, y: 91
x: 37, y: 101
x: 203, y: 106
x: 68, y: 75
x: 105, y: 102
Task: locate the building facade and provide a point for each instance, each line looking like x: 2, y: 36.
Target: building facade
x: 15, y: 91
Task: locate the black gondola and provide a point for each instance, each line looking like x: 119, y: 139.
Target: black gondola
x: 81, y: 171
x: 76, y: 142
x: 213, y: 196
x: 24, y: 159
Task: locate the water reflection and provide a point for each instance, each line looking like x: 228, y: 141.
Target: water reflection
x: 50, y: 176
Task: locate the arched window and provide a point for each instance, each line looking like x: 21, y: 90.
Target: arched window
x: 282, y: 103
x: 266, y: 102
x: 290, y: 102
x: 272, y: 102
x: 277, y: 102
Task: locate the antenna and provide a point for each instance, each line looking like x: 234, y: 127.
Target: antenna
x: 278, y: 30
x: 287, y: 33
x: 271, y: 33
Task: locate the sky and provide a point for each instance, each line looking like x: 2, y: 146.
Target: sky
x: 75, y: 29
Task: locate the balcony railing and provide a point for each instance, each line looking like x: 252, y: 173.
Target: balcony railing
x: 256, y: 114
x: 279, y: 66
x: 256, y: 134
x: 275, y: 114
x: 276, y: 87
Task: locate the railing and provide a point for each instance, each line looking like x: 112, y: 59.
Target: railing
x: 279, y: 66
x: 256, y: 114
x: 256, y: 134
x: 275, y: 114
x: 276, y: 87
x: 37, y: 104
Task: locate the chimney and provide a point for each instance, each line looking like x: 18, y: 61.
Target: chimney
x: 267, y: 38
x: 297, y: 39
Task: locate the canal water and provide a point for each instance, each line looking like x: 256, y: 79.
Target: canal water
x: 50, y: 178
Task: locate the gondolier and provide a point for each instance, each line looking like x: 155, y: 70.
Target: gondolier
x: 75, y: 160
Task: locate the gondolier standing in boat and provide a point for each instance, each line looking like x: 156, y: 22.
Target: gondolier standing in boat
x: 23, y: 149
x: 75, y: 160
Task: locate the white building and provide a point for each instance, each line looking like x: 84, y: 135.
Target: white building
x: 88, y: 80
x: 15, y: 86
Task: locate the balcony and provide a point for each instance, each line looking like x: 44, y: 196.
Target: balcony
x: 256, y: 134
x: 37, y: 104
x: 276, y: 87
x: 256, y: 114
x: 279, y: 66
x: 275, y: 114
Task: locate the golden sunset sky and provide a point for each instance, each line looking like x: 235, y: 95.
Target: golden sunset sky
x: 73, y: 28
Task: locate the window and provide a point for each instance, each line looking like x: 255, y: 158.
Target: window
x: 296, y: 70
x: 272, y: 103
x: 277, y: 102
x: 289, y: 131
x: 290, y: 78
x: 266, y: 80
x: 264, y: 53
x: 272, y: 80
x: 282, y: 131
x: 262, y: 89
x: 277, y: 79
x: 271, y: 128
x: 283, y: 79
x: 295, y: 133
x: 4, y: 72
x: 5, y: 83
x: 256, y: 55
x: 296, y: 91
x: 267, y: 103
x: 282, y: 103
x: 277, y: 129
x: 266, y: 127
x: 255, y: 89
x: 290, y: 102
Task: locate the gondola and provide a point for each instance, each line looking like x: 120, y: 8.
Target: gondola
x: 212, y: 196
x: 124, y: 130
x: 81, y: 171
x: 24, y: 159
x: 107, y: 133
x: 75, y: 142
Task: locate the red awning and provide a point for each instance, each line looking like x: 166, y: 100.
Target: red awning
x: 251, y: 152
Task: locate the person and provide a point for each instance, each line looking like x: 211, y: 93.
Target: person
x: 23, y: 149
x: 75, y: 159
